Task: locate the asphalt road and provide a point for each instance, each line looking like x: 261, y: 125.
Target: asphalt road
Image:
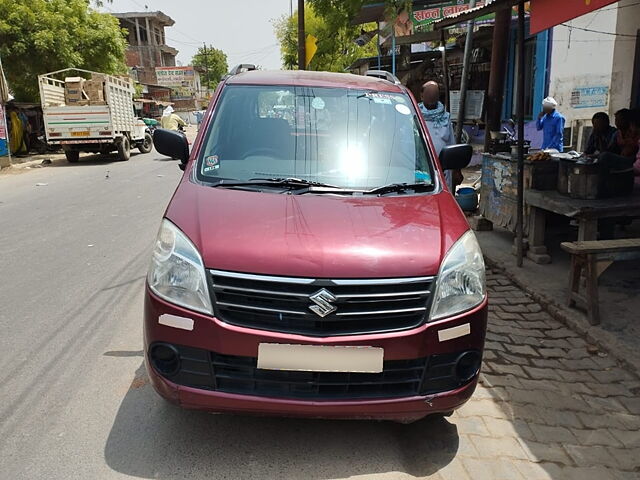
x: 74, y: 398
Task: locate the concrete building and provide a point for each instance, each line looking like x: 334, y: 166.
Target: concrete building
x: 147, y: 47
x: 595, y: 65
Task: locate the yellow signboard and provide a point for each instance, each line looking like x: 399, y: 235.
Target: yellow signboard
x: 311, y: 48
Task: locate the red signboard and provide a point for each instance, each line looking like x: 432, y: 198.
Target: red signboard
x: 549, y: 13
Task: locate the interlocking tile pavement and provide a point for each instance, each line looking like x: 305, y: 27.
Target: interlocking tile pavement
x: 548, y: 405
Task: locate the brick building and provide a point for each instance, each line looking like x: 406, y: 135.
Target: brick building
x: 147, y: 48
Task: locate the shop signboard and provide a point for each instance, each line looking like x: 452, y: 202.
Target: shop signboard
x: 473, y: 107
x: 4, y: 141
x: 183, y: 81
x: 549, y: 13
x: 590, y: 97
x: 424, y: 18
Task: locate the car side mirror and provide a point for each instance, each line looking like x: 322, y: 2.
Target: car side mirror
x: 456, y: 157
x: 172, y: 144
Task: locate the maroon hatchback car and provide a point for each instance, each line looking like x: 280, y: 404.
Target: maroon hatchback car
x: 312, y: 261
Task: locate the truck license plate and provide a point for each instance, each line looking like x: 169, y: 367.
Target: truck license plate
x: 320, y: 358
x: 83, y: 133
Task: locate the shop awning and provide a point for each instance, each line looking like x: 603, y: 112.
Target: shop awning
x: 549, y: 13
x: 491, y: 6
x: 152, y: 101
x: 370, y: 13
x: 415, y: 38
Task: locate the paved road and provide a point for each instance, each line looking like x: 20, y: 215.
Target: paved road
x: 75, y: 402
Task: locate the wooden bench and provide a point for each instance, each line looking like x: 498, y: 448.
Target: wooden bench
x: 592, y: 258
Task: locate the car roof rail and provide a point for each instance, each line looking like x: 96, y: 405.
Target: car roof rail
x: 383, y: 74
x: 242, y: 67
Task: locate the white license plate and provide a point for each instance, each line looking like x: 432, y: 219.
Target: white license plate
x: 320, y: 358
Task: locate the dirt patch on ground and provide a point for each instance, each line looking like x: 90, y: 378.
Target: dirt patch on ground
x: 26, y: 164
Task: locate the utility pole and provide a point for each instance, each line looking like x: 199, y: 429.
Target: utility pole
x: 464, y: 84
x: 206, y: 65
x: 520, y: 108
x: 302, y: 51
x: 499, y: 54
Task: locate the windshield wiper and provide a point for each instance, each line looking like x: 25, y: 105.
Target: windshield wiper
x: 285, y: 182
x: 293, y: 182
x: 400, y: 188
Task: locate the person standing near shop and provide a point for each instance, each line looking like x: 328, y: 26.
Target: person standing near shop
x: 438, y: 122
x: 551, y: 122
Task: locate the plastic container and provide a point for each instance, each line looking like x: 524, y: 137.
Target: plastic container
x: 467, y: 198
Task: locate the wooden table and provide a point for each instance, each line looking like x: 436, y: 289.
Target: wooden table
x: 586, y: 212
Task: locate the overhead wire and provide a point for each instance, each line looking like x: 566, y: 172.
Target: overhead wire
x: 572, y: 27
x: 145, y: 7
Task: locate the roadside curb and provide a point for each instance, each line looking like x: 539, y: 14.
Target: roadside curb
x: 575, y: 321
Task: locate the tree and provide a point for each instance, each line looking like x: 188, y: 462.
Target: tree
x: 214, y: 63
x: 336, y: 47
x: 40, y: 36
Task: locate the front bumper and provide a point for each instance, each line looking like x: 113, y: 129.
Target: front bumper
x: 212, y: 335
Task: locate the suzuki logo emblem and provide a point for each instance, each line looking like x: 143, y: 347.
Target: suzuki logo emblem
x: 323, y: 303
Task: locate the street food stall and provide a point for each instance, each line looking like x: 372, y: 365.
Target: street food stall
x: 570, y: 185
x: 522, y: 188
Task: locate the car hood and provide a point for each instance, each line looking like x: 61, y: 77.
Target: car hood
x: 320, y: 236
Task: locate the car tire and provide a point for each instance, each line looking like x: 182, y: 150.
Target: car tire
x: 73, y: 156
x: 147, y: 144
x: 124, y: 149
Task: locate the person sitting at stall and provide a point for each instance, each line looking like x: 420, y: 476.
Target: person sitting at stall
x: 552, y: 123
x: 602, y: 136
x: 636, y: 164
x: 624, y: 141
x: 439, y: 124
x: 628, y: 145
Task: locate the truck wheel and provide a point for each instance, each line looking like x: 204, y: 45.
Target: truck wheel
x: 124, y: 149
x: 72, y: 156
x: 105, y: 149
x: 146, y: 144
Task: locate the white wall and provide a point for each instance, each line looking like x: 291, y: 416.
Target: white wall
x: 624, y: 54
x: 582, y: 59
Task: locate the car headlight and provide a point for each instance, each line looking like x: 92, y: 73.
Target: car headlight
x: 177, y: 272
x: 461, y: 282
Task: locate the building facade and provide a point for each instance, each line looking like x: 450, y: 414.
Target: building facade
x: 595, y: 65
x: 147, y: 46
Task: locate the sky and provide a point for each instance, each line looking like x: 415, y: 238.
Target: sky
x: 243, y: 29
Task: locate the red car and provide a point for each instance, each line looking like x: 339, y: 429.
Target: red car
x: 312, y: 261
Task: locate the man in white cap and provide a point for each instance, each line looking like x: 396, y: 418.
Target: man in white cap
x: 170, y: 120
x: 552, y: 123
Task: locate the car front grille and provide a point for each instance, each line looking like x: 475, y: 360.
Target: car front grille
x: 206, y: 370
x: 283, y: 304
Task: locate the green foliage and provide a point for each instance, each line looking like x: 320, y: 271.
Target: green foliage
x: 214, y: 63
x: 336, y: 47
x: 40, y: 36
x: 336, y: 13
x: 139, y: 88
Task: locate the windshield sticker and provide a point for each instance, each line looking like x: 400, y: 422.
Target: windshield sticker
x: 318, y: 103
x: 380, y: 98
x: 212, y: 162
x: 423, y: 177
x: 403, y: 109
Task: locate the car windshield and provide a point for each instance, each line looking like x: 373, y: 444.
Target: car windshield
x: 352, y: 139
